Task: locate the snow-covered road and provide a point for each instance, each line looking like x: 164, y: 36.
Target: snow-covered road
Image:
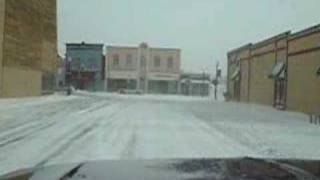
x: 58, y: 129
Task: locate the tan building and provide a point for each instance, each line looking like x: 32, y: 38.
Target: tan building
x: 303, y: 64
x: 28, y: 46
x: 279, y: 71
x: 143, y: 68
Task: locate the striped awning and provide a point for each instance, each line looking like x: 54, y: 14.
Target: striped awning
x: 278, y: 71
x: 236, y: 74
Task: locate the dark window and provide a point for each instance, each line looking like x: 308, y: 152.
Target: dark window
x: 143, y: 61
x: 157, y: 61
x: 129, y: 60
x: 170, y: 62
x: 318, y: 72
x: 115, y: 60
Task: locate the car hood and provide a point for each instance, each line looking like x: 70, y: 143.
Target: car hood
x: 186, y: 169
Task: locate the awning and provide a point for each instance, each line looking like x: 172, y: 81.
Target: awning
x: 236, y: 74
x: 278, y: 71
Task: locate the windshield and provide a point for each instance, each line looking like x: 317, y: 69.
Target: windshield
x: 131, y: 80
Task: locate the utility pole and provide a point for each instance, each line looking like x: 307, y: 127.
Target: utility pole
x: 216, y: 80
x: 203, y: 85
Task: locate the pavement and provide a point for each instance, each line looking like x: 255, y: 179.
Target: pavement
x: 85, y: 127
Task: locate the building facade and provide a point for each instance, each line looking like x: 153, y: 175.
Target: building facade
x: 143, y: 68
x: 86, y: 65
x: 28, y: 46
x: 192, y: 84
x: 280, y: 71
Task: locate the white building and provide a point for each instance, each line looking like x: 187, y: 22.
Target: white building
x: 143, y: 68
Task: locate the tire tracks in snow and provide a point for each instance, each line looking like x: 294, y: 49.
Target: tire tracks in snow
x: 82, y: 133
x: 38, y: 123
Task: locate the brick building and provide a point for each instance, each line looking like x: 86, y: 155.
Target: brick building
x: 28, y: 47
x: 280, y: 71
x: 143, y: 68
x: 87, y: 65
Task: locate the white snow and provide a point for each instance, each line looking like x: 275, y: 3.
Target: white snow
x: 83, y: 127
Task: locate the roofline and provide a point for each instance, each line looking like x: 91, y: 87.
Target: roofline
x: 270, y: 40
x: 240, y: 48
x: 127, y: 47
x: 137, y: 47
x: 305, y: 32
x: 169, y: 49
x: 87, y: 44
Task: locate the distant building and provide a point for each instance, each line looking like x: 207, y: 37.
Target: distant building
x: 143, y: 68
x: 282, y: 71
x: 195, y: 84
x: 86, y: 65
x: 28, y: 47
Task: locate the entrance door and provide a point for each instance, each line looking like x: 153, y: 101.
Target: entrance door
x: 280, y: 99
x: 237, y: 90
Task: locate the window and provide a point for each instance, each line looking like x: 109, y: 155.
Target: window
x: 115, y: 60
x: 157, y: 61
x: 170, y: 62
x: 129, y: 60
x: 318, y: 72
x: 143, y: 61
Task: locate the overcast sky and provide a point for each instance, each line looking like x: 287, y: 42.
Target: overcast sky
x: 205, y: 30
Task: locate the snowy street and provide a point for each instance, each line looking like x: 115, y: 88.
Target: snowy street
x: 58, y: 129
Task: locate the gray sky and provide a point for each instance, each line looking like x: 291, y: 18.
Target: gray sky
x: 203, y: 29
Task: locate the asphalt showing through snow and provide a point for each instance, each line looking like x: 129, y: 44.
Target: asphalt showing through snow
x: 85, y: 127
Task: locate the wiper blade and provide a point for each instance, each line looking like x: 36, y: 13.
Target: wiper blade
x: 72, y: 172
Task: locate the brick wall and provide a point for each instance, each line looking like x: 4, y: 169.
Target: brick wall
x: 2, y: 11
x: 30, y: 40
x: 244, y: 91
x: 303, y: 85
x: 261, y: 87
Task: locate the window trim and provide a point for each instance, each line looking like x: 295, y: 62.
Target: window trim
x: 129, y: 58
x: 170, y: 59
x: 157, y: 61
x: 115, y: 58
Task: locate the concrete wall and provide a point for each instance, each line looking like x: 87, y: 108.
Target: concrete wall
x: 303, y: 85
x: 21, y: 82
x: 2, y: 13
x: 30, y: 45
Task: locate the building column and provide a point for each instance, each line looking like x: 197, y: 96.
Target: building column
x: 2, y: 19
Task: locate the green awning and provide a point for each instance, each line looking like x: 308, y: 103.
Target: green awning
x: 278, y: 71
x: 236, y: 74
